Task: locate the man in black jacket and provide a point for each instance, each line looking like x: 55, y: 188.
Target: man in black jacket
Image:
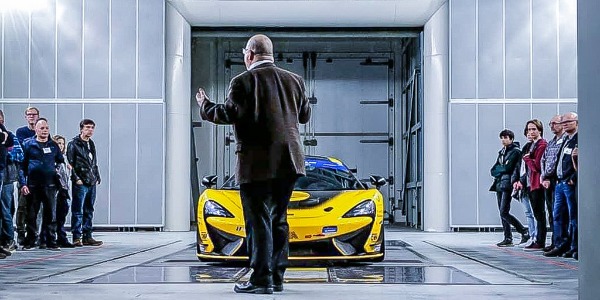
x: 565, y: 193
x: 81, y: 154
x: 508, y: 159
x: 265, y: 105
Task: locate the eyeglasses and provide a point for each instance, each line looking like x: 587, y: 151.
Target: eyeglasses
x: 31, y: 114
x: 568, y: 121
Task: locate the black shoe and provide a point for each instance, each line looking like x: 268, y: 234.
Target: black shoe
x: 247, y: 287
x: 554, y: 252
x: 5, y: 252
x: 505, y: 243
x: 65, y: 244
x: 11, y: 246
x: 21, y: 238
x: 278, y: 287
x: 525, y: 237
x: 91, y: 242
x: 568, y: 254
x: 53, y: 248
x: 2, y: 256
x: 43, y: 246
x: 548, y: 248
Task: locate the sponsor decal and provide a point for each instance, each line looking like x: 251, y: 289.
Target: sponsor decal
x: 329, y: 229
x: 293, y: 235
x: 374, y: 237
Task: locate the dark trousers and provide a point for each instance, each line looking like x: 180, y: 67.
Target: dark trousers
x: 504, y: 199
x: 267, y: 231
x: 62, y: 209
x: 549, y: 195
x: 47, y: 196
x: 565, y: 204
x: 538, y: 201
x: 22, y: 215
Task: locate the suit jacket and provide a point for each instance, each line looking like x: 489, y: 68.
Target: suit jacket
x: 265, y: 106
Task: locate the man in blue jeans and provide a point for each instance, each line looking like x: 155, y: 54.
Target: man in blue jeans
x: 565, y: 194
x: 81, y: 154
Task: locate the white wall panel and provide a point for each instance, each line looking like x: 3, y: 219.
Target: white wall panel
x: 123, y: 49
x: 490, y: 123
x: 123, y: 163
x: 16, y: 55
x: 518, y: 49
x: 69, y: 48
x: 490, y: 60
x: 150, y: 49
x: 545, y: 52
x: 96, y: 53
x: 463, y: 165
x: 567, y: 48
x: 463, y: 42
x: 43, y: 51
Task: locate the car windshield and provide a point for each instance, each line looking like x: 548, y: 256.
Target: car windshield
x: 320, y: 176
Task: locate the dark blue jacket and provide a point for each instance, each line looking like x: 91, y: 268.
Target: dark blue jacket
x: 5, y: 143
x: 40, y: 160
x: 24, y: 133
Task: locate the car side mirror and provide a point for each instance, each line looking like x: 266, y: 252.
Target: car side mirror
x: 209, y: 181
x: 377, y: 181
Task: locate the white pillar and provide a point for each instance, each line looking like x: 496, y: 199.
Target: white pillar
x: 178, y: 117
x: 435, y: 122
x: 588, y: 43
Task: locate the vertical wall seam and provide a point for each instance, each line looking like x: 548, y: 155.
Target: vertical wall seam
x: 448, y: 112
x: 558, y: 49
x: 476, y: 49
x: 531, y: 49
x: 3, y: 66
x: 83, y: 48
x: 29, y: 58
x: 504, y: 49
x: 137, y: 47
x: 109, y: 49
x: 56, y: 50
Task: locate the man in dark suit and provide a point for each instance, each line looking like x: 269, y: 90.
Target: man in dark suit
x: 265, y: 104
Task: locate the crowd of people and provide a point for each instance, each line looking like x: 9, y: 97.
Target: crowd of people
x: 48, y: 173
x: 543, y: 177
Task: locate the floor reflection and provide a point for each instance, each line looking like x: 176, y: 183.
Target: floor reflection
x: 350, y: 274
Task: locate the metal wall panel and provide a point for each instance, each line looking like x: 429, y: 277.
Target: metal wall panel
x: 463, y: 166
x: 47, y: 111
x: 123, y: 49
x: 150, y: 163
x: 96, y: 50
x: 545, y: 56
x: 516, y: 116
x: 68, y: 117
x: 100, y: 113
x: 544, y: 112
x: 14, y: 115
x: 150, y: 38
x: 463, y: 42
x: 69, y: 45
x: 490, y: 124
x: 567, y: 107
x: 123, y: 163
x: 43, y: 51
x: 567, y: 51
x: 490, y: 60
x: 16, y: 55
x: 340, y: 86
x: 518, y: 49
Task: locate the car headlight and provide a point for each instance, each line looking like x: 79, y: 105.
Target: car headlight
x: 212, y: 208
x: 365, y: 208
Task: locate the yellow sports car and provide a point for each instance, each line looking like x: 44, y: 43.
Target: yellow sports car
x: 332, y: 216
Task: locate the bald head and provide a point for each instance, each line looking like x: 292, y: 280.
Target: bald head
x: 261, y: 45
x: 570, y: 122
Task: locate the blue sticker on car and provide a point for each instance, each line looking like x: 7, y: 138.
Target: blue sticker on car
x: 330, y: 229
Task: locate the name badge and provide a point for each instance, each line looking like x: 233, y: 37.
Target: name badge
x: 568, y: 151
x: 47, y: 150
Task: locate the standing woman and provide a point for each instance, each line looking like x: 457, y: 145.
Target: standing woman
x: 62, y: 198
x: 533, y: 159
